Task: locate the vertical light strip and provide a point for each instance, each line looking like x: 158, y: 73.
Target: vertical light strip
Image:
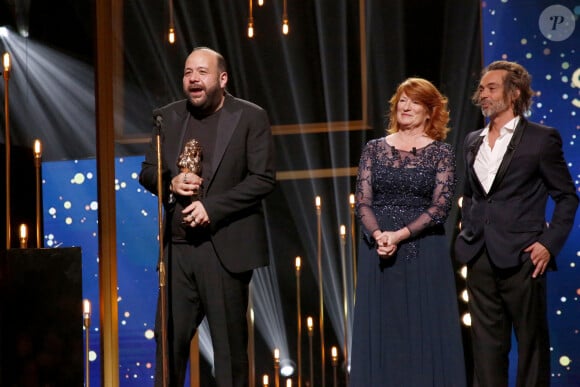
x: 250, y: 21
x: 171, y: 36
x: 285, y: 25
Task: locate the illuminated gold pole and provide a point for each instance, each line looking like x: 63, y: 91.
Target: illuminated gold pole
x: 285, y: 25
x: 353, y: 243
x: 23, y: 236
x: 251, y: 348
x: 37, y: 159
x: 320, y: 287
x: 276, y: 367
x: 310, y: 326
x: 299, y: 322
x: 334, y: 354
x: 171, y: 35
x: 250, y: 21
x: 344, y: 292
x: 87, y: 325
x: 6, y: 63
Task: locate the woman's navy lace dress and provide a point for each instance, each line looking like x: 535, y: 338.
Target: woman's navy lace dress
x: 406, y: 321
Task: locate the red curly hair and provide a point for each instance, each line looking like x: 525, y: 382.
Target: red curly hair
x: 424, y: 92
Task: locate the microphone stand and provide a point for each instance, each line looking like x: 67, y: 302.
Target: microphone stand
x: 161, y: 264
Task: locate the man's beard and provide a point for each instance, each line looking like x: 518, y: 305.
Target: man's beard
x: 494, y: 108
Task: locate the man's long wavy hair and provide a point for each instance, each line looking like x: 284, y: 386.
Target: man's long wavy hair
x: 516, y: 78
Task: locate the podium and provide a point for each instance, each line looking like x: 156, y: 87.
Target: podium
x: 41, y: 322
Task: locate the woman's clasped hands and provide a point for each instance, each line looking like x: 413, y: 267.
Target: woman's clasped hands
x: 387, y: 241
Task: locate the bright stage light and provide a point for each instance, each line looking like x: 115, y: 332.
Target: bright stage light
x: 466, y: 319
x: 3, y: 32
x: 287, y: 367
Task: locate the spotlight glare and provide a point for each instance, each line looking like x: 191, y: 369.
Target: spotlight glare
x: 466, y: 319
x: 287, y: 368
x: 3, y: 32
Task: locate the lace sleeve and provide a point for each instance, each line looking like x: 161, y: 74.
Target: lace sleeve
x: 442, y: 194
x: 364, y: 191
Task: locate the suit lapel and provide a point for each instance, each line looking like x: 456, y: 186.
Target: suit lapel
x: 227, y: 123
x: 470, y: 159
x: 509, y: 153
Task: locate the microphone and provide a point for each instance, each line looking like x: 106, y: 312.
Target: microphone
x: 414, y: 151
x: 158, y: 120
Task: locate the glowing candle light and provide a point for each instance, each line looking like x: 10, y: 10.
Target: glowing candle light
x: 318, y: 203
x: 344, y: 289
x: 276, y: 367
x: 86, y: 307
x: 37, y: 159
x: 265, y: 380
x: 23, y: 236
x: 334, y: 355
x: 6, y: 61
x: 37, y: 148
x: 310, y: 325
x: 87, y: 324
x: 353, y: 242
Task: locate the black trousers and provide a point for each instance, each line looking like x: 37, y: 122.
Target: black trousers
x: 499, y: 300
x: 199, y: 286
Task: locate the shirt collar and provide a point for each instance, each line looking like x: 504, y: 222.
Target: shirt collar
x: 509, y: 127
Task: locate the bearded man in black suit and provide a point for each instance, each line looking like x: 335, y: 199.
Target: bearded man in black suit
x: 512, y: 167
x: 214, y: 224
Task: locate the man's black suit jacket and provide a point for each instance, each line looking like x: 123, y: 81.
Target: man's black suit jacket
x: 512, y: 215
x: 242, y: 174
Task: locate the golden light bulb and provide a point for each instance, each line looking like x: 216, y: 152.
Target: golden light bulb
x: 298, y: 263
x: 37, y: 148
x: 6, y: 61
x: 285, y: 27
x: 86, y: 307
x: 23, y: 236
x: 342, y: 230
x: 23, y: 231
x: 171, y: 35
x: 318, y: 202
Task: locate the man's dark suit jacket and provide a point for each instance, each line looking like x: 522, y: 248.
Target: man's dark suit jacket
x: 242, y: 174
x: 512, y: 215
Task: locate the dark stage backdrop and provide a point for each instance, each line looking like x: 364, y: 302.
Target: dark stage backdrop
x: 334, y: 73
x: 544, y: 37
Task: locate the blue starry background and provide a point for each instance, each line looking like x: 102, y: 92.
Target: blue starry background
x: 71, y: 219
x: 543, y: 36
